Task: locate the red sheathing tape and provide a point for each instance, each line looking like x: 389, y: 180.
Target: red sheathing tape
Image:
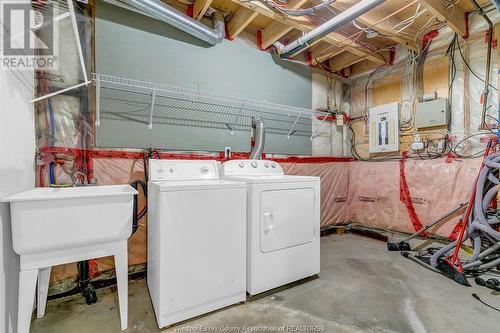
x: 405, y: 196
x: 309, y: 58
x: 93, y: 268
x: 190, y: 10
x: 392, y: 56
x: 428, y: 37
x: 76, y: 152
x: 259, y: 40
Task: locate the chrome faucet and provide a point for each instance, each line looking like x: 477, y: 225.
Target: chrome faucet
x: 76, y: 179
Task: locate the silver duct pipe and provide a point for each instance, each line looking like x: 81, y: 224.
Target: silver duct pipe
x: 260, y: 139
x: 333, y: 24
x: 170, y: 15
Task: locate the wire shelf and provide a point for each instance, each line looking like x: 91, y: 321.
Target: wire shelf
x: 152, y: 103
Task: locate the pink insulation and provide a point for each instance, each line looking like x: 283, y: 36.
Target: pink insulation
x: 373, y: 198
x: 435, y: 186
x: 334, y: 187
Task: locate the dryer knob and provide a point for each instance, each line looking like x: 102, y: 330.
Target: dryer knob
x: 254, y: 164
x: 273, y: 165
x: 241, y: 164
x: 266, y: 165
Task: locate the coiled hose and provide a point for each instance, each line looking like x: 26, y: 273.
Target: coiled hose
x: 479, y: 225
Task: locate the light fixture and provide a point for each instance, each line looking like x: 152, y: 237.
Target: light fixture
x: 370, y: 33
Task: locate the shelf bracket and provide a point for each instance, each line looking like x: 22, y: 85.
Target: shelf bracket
x: 237, y: 117
x: 153, y: 96
x: 317, y: 129
x: 293, y: 127
x: 97, y: 100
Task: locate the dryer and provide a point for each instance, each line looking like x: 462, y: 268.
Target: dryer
x: 283, y: 223
x: 196, y: 240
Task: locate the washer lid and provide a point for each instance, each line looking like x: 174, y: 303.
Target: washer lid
x: 269, y: 179
x: 189, y: 185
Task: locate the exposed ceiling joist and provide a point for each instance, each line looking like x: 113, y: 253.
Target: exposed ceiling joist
x: 379, y: 19
x: 305, y: 26
x: 239, y: 20
x: 200, y: 8
x: 454, y: 18
x: 362, y: 67
x: 275, y: 30
x: 325, y: 52
x: 342, y: 61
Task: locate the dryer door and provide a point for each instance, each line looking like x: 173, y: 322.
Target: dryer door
x: 286, y: 218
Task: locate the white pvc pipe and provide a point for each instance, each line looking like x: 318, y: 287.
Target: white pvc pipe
x: 304, y: 42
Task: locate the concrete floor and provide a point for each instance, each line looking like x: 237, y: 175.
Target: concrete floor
x: 362, y: 288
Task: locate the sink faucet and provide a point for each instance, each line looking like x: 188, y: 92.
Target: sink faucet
x: 76, y: 179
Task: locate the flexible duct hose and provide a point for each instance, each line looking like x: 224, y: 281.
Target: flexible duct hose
x: 479, y: 224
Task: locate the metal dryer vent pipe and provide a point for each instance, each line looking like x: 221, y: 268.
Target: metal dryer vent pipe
x: 304, y: 42
x: 260, y: 139
x: 170, y: 15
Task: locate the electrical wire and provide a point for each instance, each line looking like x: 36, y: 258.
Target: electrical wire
x: 284, y: 9
x: 480, y: 300
x: 470, y: 69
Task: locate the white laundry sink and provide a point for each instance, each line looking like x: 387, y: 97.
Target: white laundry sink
x: 50, y: 219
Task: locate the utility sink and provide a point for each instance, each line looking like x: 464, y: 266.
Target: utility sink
x: 48, y: 219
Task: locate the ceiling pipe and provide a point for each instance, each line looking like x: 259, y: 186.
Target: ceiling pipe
x: 304, y: 42
x: 163, y: 12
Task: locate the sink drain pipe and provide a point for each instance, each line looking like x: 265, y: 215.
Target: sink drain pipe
x: 86, y: 288
x: 137, y: 216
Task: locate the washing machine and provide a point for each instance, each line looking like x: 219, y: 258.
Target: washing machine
x: 196, y: 240
x: 283, y: 223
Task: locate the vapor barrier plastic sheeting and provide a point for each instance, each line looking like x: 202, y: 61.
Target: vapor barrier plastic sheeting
x: 436, y: 187
x: 334, y: 187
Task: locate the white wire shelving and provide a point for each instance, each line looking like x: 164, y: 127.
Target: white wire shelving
x: 151, y: 103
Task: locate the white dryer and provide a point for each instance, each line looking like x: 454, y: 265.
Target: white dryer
x: 283, y: 228
x: 196, y: 240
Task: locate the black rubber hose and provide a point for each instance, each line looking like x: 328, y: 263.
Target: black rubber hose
x: 135, y: 217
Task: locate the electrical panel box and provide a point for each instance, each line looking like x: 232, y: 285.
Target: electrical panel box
x: 384, y: 128
x: 432, y: 113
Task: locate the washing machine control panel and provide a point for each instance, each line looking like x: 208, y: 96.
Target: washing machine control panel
x: 182, y: 169
x: 251, y: 167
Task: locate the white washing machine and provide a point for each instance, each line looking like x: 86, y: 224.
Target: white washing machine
x: 196, y: 240
x: 283, y: 228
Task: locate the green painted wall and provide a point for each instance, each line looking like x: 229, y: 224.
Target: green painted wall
x: 135, y: 46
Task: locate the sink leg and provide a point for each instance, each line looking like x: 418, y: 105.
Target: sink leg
x: 121, y: 269
x: 43, y: 290
x: 26, y: 297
